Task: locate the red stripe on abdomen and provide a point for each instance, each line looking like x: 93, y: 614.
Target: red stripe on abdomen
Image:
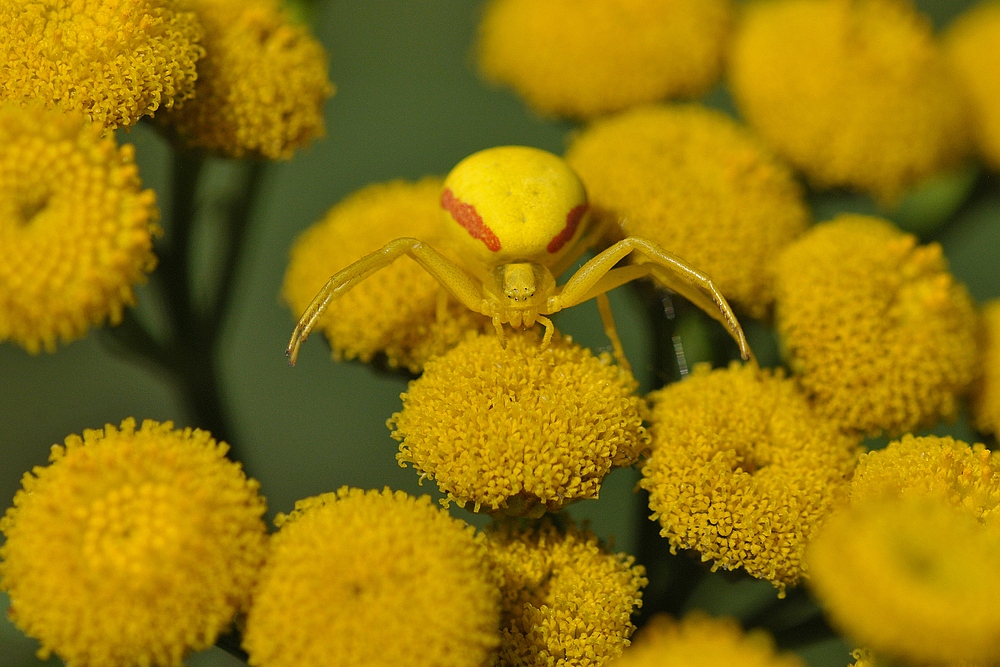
x: 572, y: 222
x: 467, y: 216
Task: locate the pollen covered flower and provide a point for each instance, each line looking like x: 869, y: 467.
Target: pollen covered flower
x: 699, y: 640
x: 261, y: 85
x: 942, y: 468
x: 696, y: 183
x: 113, y: 60
x: 916, y: 580
x: 75, y: 227
x: 971, y: 45
x: 986, y: 394
x: 583, y: 58
x: 133, y: 547
x: 520, y: 430
x: 743, y: 471
x: 400, y: 311
x: 369, y: 578
x: 877, y: 331
x: 854, y: 93
x: 566, y: 600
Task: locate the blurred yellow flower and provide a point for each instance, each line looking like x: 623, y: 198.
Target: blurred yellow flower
x: 915, y: 580
x: 75, y: 227
x: 743, y: 471
x: 400, y: 311
x: 261, y: 85
x: 875, y: 328
x: 942, y: 468
x: 854, y: 93
x: 565, y: 599
x: 113, y: 60
x: 698, y: 640
x: 134, y: 547
x: 518, y: 430
x: 698, y: 184
x: 986, y: 396
x: 583, y: 58
x: 373, y: 578
x: 971, y: 43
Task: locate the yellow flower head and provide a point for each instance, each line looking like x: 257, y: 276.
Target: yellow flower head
x: 743, y: 471
x: 971, y: 45
x: 915, y: 579
x: 945, y: 469
x: 565, y: 599
x: 699, y: 640
x: 75, y: 227
x: 261, y: 85
x: 583, y: 58
x: 134, y: 547
x: 699, y: 185
x: 854, y: 93
x: 986, y: 397
x: 518, y: 430
x: 113, y: 60
x: 373, y: 578
x: 877, y: 331
x: 400, y: 311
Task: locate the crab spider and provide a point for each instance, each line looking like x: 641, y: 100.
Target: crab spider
x: 518, y: 217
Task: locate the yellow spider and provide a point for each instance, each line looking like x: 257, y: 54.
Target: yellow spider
x: 518, y: 217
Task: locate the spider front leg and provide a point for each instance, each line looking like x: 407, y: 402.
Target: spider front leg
x: 445, y: 271
x: 599, y: 276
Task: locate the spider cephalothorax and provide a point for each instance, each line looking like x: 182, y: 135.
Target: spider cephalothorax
x: 518, y: 218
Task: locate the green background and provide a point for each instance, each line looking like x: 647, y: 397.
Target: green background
x: 408, y: 103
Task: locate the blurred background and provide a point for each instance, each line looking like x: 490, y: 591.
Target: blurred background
x: 408, y: 103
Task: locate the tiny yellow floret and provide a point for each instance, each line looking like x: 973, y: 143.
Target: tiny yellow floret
x: 520, y: 430
x: 972, y: 44
x: 583, y: 58
x: 133, y: 547
x: 699, y: 640
x: 942, y: 468
x: 699, y: 185
x: 261, y: 85
x: 855, y: 93
x: 915, y: 580
x: 76, y: 229
x: 986, y: 394
x: 401, y: 311
x: 876, y: 330
x: 370, y: 579
x: 566, y: 600
x: 743, y: 470
x: 113, y: 60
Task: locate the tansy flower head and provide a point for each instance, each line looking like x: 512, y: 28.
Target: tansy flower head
x: 916, y: 580
x: 696, y: 183
x: 583, y: 58
x: 519, y: 430
x: 373, y: 578
x: 743, y: 471
x: 113, y: 60
x: 134, y: 547
x: 698, y: 640
x: 565, y: 599
x: 401, y: 310
x: 875, y: 328
x: 261, y: 85
x: 971, y: 45
x: 986, y: 396
x: 75, y: 227
x: 945, y: 469
x: 855, y: 93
